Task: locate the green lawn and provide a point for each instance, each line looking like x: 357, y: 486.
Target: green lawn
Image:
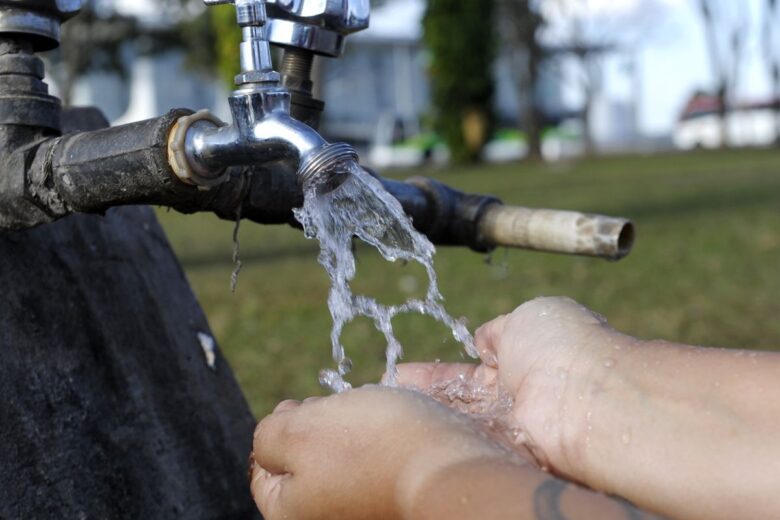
x: 705, y: 268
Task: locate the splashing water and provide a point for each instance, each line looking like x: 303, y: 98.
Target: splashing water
x: 488, y: 404
x: 360, y: 207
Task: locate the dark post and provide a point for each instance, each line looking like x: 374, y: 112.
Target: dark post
x: 115, y: 402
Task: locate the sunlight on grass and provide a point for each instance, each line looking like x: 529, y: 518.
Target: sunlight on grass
x: 705, y: 269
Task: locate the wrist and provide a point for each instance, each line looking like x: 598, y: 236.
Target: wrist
x: 595, y: 397
x: 486, y: 486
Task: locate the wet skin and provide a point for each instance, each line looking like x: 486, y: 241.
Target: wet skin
x: 394, y: 454
x: 683, y: 431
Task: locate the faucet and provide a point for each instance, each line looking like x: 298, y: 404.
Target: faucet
x: 202, y: 148
x: 62, y: 161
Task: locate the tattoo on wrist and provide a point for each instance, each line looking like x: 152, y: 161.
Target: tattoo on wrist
x: 547, y: 500
x: 547, y: 503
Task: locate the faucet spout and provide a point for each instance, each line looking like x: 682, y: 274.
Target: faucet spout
x: 262, y: 132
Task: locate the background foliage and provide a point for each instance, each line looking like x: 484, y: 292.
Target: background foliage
x: 460, y: 37
x: 226, y: 38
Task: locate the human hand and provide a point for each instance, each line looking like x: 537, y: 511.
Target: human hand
x: 551, y: 356
x: 366, y: 453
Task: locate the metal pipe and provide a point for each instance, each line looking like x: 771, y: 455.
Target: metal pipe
x: 567, y: 232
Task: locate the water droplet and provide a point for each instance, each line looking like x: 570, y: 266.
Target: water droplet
x: 562, y: 374
x: 332, y: 381
x: 626, y: 438
x: 609, y: 363
x: 345, y: 367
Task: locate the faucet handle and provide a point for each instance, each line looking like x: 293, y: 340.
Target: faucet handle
x: 256, y: 65
x: 318, y: 26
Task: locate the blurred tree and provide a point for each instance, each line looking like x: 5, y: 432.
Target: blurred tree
x: 726, y: 30
x: 585, y: 35
x: 772, y: 55
x: 460, y: 37
x: 520, y: 23
x: 589, y: 31
x: 226, y: 37
x: 98, y: 39
x: 92, y: 41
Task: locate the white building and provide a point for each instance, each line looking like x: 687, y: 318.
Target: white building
x: 376, y: 94
x: 745, y: 127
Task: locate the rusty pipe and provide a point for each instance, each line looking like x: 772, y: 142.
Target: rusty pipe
x: 555, y: 231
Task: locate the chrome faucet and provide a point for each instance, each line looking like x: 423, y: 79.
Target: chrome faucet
x: 202, y: 148
x: 315, y: 25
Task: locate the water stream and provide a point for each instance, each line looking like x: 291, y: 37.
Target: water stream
x: 334, y: 213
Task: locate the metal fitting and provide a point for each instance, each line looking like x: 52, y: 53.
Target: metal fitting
x: 256, y: 65
x: 314, y: 25
x: 39, y: 20
x: 177, y: 151
x: 323, y: 161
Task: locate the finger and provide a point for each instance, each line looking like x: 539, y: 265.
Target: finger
x: 426, y: 375
x: 287, y: 405
x: 487, y: 339
x: 312, y: 399
x: 270, y: 493
x: 272, y: 442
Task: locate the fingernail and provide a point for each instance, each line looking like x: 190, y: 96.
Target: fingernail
x: 488, y: 357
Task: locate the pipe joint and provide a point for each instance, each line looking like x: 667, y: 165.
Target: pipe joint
x: 455, y: 216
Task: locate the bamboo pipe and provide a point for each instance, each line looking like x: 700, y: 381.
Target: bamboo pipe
x: 554, y: 231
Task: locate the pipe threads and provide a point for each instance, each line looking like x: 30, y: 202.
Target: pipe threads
x: 297, y: 63
x: 323, y: 159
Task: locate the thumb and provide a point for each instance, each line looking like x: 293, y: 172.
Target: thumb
x: 487, y: 339
x: 267, y: 492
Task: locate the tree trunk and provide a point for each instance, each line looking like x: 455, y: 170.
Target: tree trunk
x: 776, y: 100
x: 723, y: 116
x: 530, y: 113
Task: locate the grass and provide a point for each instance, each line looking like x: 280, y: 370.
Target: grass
x: 705, y: 268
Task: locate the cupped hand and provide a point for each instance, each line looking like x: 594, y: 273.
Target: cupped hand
x: 365, y: 453
x: 551, y: 356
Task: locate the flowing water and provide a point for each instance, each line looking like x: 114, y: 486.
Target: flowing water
x: 347, y: 202
x: 487, y: 404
